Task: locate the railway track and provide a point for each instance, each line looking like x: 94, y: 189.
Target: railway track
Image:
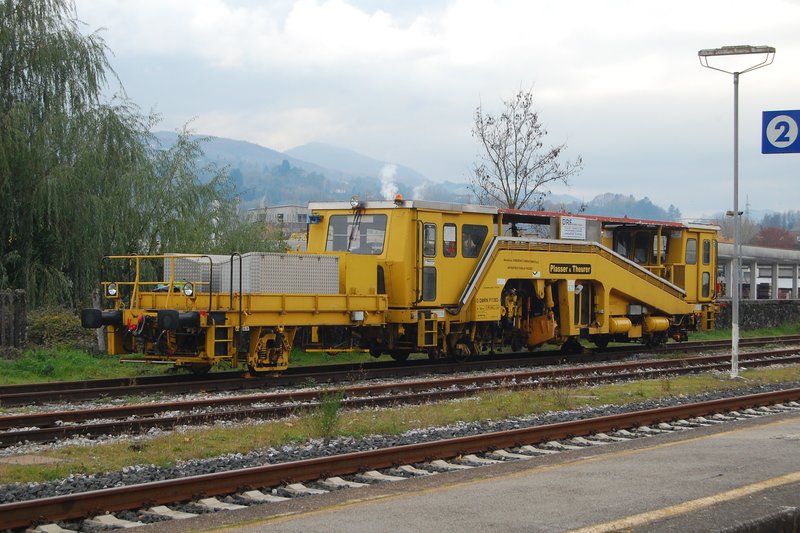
x: 94, y: 422
x: 260, y: 484
x: 38, y: 393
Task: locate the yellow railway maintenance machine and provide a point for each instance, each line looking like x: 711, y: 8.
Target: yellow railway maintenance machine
x: 410, y: 276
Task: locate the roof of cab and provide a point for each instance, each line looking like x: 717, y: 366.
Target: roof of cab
x: 406, y: 204
x: 520, y: 216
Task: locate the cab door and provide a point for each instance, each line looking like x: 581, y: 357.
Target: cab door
x: 701, y: 266
x: 707, y: 269
x: 429, y: 230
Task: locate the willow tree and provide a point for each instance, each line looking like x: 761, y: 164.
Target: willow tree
x: 61, y: 149
x: 81, y: 177
x: 515, y: 169
x: 180, y: 203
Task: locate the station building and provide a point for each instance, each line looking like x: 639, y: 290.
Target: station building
x: 767, y: 273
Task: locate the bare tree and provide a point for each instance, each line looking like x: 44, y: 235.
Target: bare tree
x: 748, y: 230
x: 515, y: 168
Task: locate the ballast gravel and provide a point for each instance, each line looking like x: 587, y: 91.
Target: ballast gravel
x: 318, y: 448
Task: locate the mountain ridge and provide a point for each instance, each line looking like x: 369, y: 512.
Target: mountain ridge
x: 352, y: 162
x: 264, y: 176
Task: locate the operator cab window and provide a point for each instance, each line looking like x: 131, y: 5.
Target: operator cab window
x: 429, y: 283
x: 706, y: 285
x: 358, y: 234
x: 641, y: 242
x: 472, y: 238
x: 706, y: 252
x: 660, y: 248
x: 429, y: 240
x: 691, y: 251
x: 623, y: 244
x: 449, y: 240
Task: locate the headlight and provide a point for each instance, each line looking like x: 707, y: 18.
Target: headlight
x: 188, y: 289
x: 111, y: 290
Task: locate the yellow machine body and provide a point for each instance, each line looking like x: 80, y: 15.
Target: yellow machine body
x: 412, y: 276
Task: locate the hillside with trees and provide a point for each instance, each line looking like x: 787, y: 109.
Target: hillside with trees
x: 617, y: 205
x: 265, y: 177
x: 774, y: 230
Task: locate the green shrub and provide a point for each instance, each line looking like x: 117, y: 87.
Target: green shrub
x: 324, y: 419
x: 49, y: 328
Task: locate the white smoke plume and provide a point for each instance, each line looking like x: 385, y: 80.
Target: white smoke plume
x: 388, y: 187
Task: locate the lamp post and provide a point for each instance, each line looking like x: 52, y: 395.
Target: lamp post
x: 769, y: 56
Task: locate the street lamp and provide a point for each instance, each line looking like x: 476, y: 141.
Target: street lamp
x: 769, y: 56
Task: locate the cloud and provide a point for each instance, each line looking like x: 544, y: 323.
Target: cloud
x: 277, y: 129
x: 227, y: 34
x: 575, y: 49
x: 619, y: 80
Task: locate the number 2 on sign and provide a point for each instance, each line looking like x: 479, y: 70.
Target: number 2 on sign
x: 782, y: 131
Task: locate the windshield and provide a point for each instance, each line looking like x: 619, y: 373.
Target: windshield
x: 359, y: 234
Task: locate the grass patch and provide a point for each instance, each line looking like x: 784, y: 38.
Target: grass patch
x: 330, y: 421
x: 67, y: 364
x: 299, y: 357
x: 64, y: 363
x: 725, y: 334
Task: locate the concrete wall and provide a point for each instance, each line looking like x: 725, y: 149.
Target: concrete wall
x: 755, y: 314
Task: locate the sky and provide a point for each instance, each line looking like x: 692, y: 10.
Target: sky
x: 618, y: 81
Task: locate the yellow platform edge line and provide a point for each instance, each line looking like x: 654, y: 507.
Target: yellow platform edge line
x: 690, y: 506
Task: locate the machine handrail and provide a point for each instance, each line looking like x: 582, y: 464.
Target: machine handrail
x: 241, y: 297
x: 136, y: 283
x: 606, y: 252
x: 476, y: 275
x: 610, y: 254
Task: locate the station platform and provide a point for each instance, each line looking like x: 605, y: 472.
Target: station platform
x: 740, y: 476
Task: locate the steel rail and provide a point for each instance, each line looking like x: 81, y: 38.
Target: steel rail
x: 15, y: 395
x: 58, y: 417
x: 614, y: 370
x: 25, y: 513
x: 47, y: 427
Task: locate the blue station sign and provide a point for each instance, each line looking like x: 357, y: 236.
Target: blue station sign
x: 779, y: 132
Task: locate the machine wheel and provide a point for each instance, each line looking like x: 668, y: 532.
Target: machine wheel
x: 516, y: 344
x: 375, y: 352
x: 571, y: 347
x: 601, y: 342
x: 657, y: 341
x: 434, y: 354
x: 399, y: 356
x: 200, y: 369
x: 463, y: 349
x: 460, y: 353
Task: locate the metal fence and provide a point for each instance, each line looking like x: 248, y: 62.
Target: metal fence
x: 13, y: 319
